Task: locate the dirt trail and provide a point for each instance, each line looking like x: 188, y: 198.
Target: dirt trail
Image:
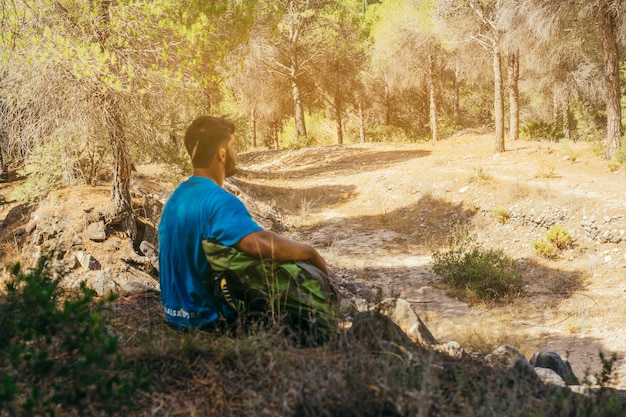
x: 377, y: 213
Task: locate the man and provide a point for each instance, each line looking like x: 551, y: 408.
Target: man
x: 201, y: 211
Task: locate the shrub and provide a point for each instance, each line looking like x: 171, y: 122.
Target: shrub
x: 544, y: 249
x: 475, y: 274
x: 555, y: 239
x: 541, y: 131
x: 559, y: 237
x: 55, y: 351
x: 501, y: 215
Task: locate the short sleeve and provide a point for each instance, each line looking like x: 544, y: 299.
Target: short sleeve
x: 232, y: 221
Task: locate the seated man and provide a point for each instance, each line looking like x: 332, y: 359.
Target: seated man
x: 204, y: 230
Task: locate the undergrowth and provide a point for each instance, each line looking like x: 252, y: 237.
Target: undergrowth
x: 56, y: 354
x: 60, y: 357
x: 475, y: 274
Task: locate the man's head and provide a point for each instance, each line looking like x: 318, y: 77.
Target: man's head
x: 208, y: 137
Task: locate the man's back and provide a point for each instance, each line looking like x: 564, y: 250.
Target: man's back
x: 198, y: 209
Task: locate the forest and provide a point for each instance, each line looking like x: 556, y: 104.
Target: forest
x: 97, y: 86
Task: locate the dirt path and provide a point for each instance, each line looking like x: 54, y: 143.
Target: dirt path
x: 377, y: 213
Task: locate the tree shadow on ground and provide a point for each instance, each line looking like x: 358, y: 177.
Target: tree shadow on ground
x: 291, y: 199
x: 324, y: 161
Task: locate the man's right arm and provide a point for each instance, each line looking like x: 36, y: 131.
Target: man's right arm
x: 265, y: 244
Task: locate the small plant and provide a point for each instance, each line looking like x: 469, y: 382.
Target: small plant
x: 501, y: 215
x: 475, y: 274
x: 546, y: 170
x: 544, y: 249
x: 555, y: 239
x: 55, y: 351
x: 541, y: 131
x: 482, y: 175
x: 559, y: 237
x: 613, y: 166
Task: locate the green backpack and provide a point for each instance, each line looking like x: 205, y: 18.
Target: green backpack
x: 298, y: 292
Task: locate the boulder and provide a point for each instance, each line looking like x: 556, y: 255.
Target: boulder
x: 552, y: 360
x: 402, y: 314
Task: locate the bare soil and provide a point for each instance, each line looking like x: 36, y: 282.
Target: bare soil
x: 377, y: 212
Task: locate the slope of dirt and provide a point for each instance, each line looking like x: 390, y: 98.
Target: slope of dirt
x: 378, y: 212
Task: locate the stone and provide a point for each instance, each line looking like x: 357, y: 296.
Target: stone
x: 96, y: 231
x: 370, y: 327
x: 504, y: 356
x: 552, y: 360
x: 88, y: 261
x: 453, y: 349
x: 402, y: 313
x: 548, y: 376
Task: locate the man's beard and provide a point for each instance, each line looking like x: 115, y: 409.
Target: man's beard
x: 230, y: 166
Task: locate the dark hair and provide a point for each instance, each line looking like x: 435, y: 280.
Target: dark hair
x: 204, y: 137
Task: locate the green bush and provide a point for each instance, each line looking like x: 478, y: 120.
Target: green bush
x: 541, y: 131
x: 475, y: 274
x: 555, y: 239
x: 559, y: 237
x: 544, y: 249
x: 55, y: 351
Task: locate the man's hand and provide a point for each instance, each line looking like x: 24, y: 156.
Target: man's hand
x: 266, y: 244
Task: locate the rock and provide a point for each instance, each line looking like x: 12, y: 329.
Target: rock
x: 504, y: 356
x: 96, y: 231
x: 401, y: 313
x: 101, y: 281
x: 453, y: 349
x: 148, y: 249
x: 548, y: 376
x: 88, y: 262
x: 524, y: 371
x: 370, y: 327
x: 552, y: 360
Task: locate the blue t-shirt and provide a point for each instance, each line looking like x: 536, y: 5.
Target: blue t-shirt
x: 198, y: 209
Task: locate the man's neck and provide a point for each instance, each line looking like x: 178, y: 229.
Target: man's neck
x: 211, y: 174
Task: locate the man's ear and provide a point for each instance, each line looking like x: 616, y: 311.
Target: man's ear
x: 221, y: 154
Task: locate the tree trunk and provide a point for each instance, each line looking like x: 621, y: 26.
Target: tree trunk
x: 498, y: 100
x: 338, y: 122
x: 567, y: 134
x: 457, y: 95
x: 253, y: 128
x: 361, y: 122
x: 4, y: 173
x: 611, y: 76
x: 514, y: 95
x: 299, y: 108
x: 120, y: 191
x: 432, y: 98
x: 274, y: 133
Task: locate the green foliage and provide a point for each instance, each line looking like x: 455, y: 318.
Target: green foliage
x: 559, y: 237
x: 620, y: 155
x: 52, y: 164
x: 475, y: 274
x: 555, y: 240
x: 55, y: 350
x: 541, y: 131
x: 319, y: 133
x: 544, y: 249
x: 388, y: 133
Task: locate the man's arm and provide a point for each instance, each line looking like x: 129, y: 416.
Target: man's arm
x: 266, y: 244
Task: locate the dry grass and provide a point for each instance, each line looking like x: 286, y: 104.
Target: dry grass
x: 260, y: 372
